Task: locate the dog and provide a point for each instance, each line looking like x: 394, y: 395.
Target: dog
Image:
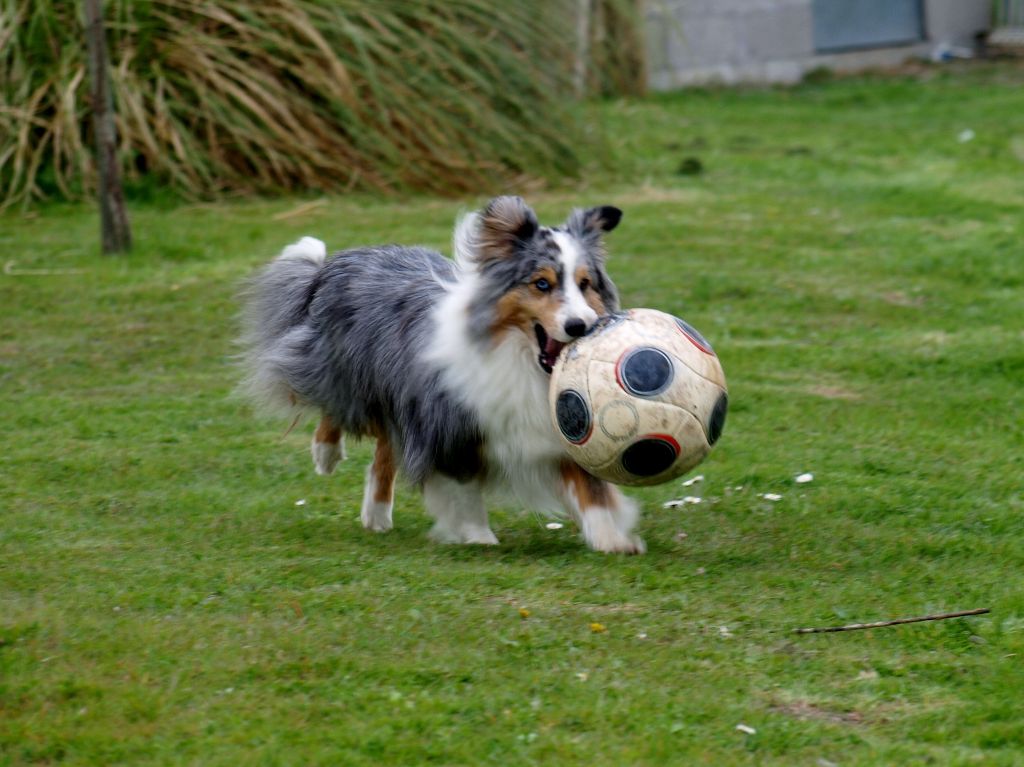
x: 445, y: 363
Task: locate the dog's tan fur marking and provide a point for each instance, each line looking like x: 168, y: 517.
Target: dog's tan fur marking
x: 590, y: 492
x: 526, y: 304
x: 384, y: 470
x: 326, y: 431
x: 590, y: 295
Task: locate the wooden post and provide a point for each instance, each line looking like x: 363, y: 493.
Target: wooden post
x: 117, y: 236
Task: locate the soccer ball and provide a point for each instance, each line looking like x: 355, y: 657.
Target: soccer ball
x: 640, y: 399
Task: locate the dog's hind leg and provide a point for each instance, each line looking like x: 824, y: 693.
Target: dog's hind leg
x: 379, y: 494
x: 328, y: 446
x: 458, y: 511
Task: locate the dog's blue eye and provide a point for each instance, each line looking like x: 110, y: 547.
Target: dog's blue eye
x: 543, y: 285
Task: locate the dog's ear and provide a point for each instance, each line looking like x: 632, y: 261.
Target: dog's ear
x: 603, y: 218
x: 590, y: 223
x: 505, y: 223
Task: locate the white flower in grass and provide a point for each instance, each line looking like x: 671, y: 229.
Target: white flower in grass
x: 688, y: 500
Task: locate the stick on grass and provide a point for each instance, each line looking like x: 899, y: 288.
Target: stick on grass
x: 897, y: 622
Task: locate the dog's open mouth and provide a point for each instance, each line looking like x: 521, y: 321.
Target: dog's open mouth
x: 549, y: 348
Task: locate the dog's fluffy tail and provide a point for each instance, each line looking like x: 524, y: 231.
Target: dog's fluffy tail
x: 276, y: 336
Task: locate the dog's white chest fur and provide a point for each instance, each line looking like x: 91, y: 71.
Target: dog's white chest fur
x: 504, y: 386
x: 512, y: 404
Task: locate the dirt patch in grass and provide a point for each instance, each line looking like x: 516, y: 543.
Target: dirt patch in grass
x: 899, y: 298
x: 833, y: 392
x: 803, y: 709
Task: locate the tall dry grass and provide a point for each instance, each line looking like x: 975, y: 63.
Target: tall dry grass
x: 221, y: 96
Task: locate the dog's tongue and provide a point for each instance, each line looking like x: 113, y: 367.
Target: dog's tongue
x: 552, y: 349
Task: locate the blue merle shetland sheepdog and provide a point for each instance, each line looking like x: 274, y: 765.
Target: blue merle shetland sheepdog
x: 445, y: 363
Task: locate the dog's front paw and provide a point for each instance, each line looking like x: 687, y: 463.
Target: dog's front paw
x: 469, y: 534
x: 603, y: 530
x: 618, y: 544
x: 376, y: 516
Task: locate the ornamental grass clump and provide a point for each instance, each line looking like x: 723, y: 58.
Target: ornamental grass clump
x: 445, y: 96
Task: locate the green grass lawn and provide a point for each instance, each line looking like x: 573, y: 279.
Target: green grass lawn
x: 165, y: 599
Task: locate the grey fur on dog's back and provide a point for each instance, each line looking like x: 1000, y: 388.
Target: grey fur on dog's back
x: 343, y: 335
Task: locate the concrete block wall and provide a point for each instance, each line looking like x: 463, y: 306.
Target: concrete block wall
x: 956, y: 21
x: 694, y: 42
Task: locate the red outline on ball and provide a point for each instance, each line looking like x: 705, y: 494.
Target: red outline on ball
x: 694, y: 341
x: 618, y: 367
x: 664, y: 438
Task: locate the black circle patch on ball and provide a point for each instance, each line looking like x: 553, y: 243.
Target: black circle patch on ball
x: 645, y: 372
x: 718, y: 418
x: 649, y: 456
x: 694, y: 335
x: 573, y: 416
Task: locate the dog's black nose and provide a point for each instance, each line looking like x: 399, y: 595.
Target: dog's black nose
x: 575, y: 327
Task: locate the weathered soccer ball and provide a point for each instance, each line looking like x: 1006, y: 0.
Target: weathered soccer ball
x: 640, y: 399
